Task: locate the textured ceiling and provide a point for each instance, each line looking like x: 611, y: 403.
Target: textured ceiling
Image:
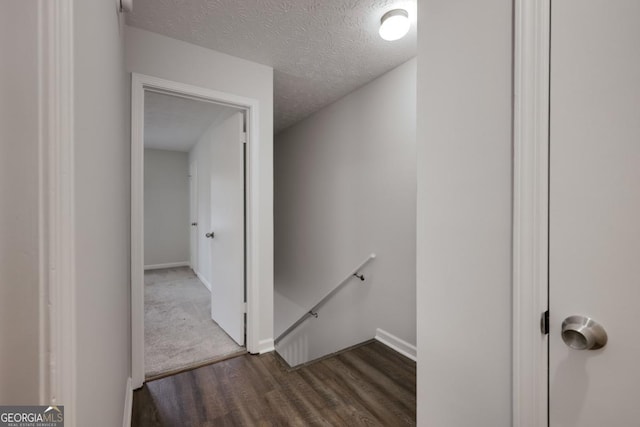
x: 176, y: 124
x: 320, y: 49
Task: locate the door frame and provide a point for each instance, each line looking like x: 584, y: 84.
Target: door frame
x: 57, y: 288
x: 139, y: 84
x: 530, y: 211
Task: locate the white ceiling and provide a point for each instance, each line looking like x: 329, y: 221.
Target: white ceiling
x: 320, y: 49
x: 176, y: 124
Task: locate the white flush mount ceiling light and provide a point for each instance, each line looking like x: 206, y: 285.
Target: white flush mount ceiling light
x: 394, y: 24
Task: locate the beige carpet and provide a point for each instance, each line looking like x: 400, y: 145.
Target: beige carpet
x: 178, y: 330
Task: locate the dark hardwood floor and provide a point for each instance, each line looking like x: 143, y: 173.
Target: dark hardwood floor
x: 369, y: 385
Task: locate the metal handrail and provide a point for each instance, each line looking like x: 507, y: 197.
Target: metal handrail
x: 313, y: 311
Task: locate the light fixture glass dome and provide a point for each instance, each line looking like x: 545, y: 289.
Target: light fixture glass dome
x: 394, y: 24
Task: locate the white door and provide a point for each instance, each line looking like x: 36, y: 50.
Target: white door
x: 594, y: 266
x: 227, y: 227
x: 193, y: 215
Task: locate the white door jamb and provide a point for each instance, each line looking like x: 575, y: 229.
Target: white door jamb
x: 530, y: 211
x: 57, y: 287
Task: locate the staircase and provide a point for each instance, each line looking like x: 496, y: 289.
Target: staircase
x: 308, y: 333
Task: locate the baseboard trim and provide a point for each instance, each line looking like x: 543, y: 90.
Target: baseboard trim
x: 265, y: 346
x: 128, y: 404
x: 321, y: 358
x: 397, y: 344
x: 203, y: 280
x: 167, y: 265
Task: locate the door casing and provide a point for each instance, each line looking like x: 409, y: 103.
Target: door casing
x: 530, y: 211
x: 139, y: 84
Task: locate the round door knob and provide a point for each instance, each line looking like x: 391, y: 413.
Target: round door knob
x: 209, y: 235
x: 583, y: 333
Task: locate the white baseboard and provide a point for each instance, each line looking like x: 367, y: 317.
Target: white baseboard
x: 203, y: 280
x: 265, y: 346
x: 128, y: 404
x: 397, y: 344
x: 167, y: 265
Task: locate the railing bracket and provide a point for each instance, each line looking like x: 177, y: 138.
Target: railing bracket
x: 314, y: 314
x: 359, y: 276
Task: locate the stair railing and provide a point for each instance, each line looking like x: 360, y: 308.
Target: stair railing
x: 313, y: 311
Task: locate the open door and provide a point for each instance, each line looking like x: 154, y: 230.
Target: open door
x: 594, y: 268
x: 227, y: 233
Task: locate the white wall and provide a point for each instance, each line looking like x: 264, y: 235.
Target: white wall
x: 102, y: 213
x: 166, y: 207
x: 345, y: 187
x: 19, y: 203
x: 464, y: 213
x: 160, y: 56
x: 101, y: 210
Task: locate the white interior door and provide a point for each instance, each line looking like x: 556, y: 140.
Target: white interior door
x: 193, y: 215
x: 227, y: 226
x: 594, y: 267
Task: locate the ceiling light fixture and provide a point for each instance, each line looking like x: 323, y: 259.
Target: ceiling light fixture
x: 394, y: 24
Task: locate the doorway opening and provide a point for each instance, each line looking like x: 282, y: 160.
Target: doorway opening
x: 191, y: 207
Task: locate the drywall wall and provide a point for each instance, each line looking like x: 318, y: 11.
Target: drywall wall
x: 19, y: 370
x: 464, y: 213
x: 102, y: 213
x: 346, y: 187
x: 160, y: 56
x: 166, y: 207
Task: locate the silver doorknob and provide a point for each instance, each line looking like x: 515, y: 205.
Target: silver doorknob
x: 583, y: 333
x: 209, y: 235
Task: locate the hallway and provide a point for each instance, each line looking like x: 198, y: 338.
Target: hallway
x: 368, y: 385
x: 430, y: 151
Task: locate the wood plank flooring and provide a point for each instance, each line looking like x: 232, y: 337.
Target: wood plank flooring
x: 370, y: 385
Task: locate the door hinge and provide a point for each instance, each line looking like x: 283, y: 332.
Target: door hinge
x: 243, y: 137
x: 544, y: 323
